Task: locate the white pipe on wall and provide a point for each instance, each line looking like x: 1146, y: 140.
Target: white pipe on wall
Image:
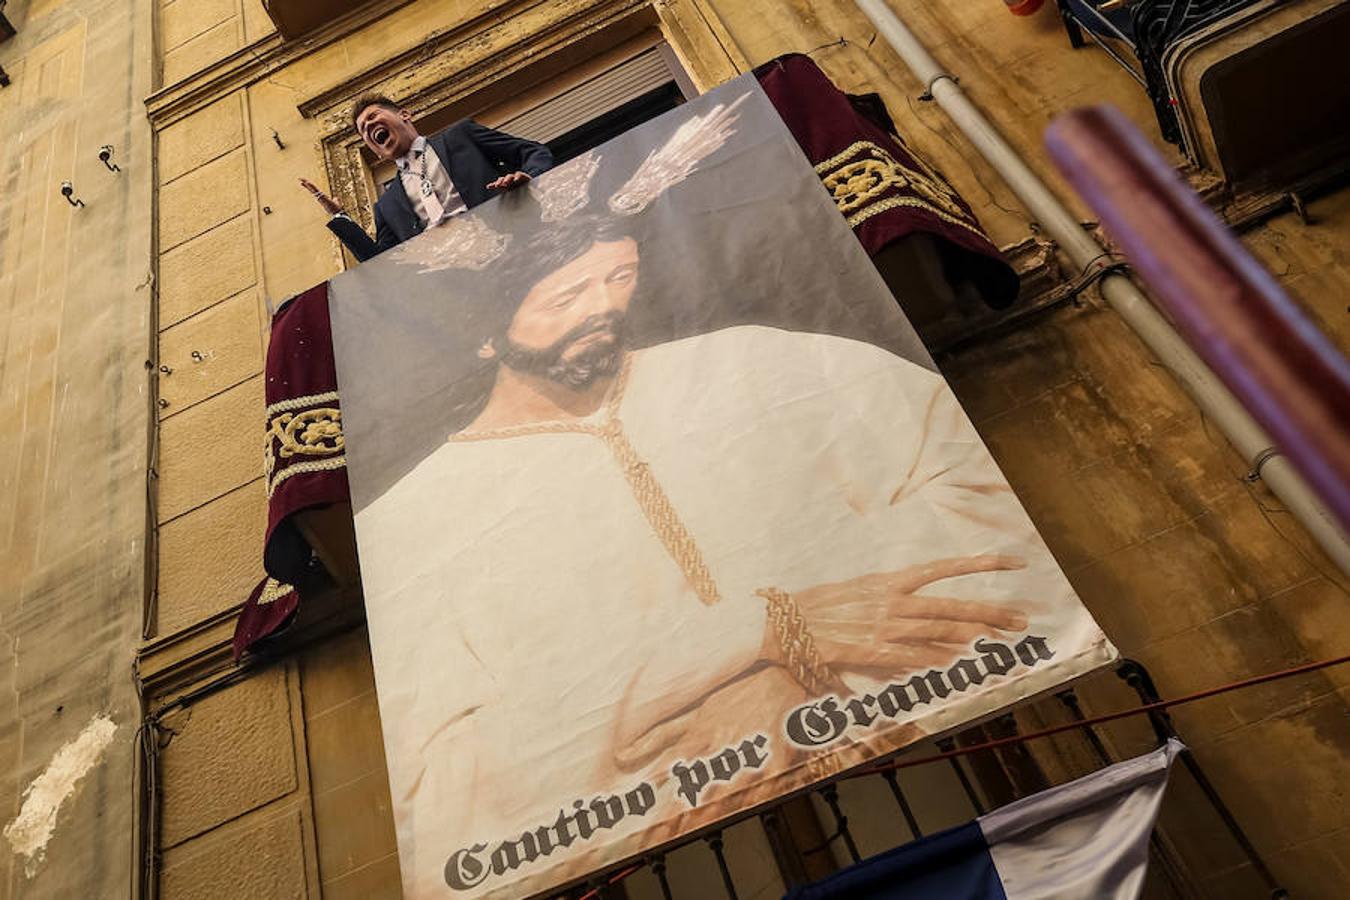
x: 1120, y: 292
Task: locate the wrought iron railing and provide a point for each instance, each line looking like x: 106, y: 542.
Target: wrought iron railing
x: 799, y: 864
x: 1147, y: 29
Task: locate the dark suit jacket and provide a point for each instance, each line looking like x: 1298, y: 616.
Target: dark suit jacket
x: 473, y: 155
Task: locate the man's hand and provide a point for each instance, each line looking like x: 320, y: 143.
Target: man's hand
x: 330, y: 206
x: 879, y: 622
x: 506, y: 182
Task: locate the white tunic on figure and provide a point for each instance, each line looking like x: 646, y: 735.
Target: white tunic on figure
x: 517, y: 594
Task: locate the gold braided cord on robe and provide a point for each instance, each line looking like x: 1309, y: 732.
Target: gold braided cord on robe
x: 647, y: 491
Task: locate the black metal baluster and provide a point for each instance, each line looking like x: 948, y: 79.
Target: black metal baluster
x: 1021, y: 771
x: 1166, y: 857
x: 1070, y: 700
x: 715, y: 842
x: 1137, y: 677
x: 893, y: 780
x: 831, y: 797
x: 791, y: 866
x: 657, y: 864
x: 946, y: 746
x: 1071, y: 26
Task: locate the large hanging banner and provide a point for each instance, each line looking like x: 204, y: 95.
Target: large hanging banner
x: 663, y: 510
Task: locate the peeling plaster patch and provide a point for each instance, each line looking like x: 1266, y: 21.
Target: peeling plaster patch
x: 33, y: 827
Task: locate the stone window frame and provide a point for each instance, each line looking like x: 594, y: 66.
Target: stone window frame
x: 466, y: 67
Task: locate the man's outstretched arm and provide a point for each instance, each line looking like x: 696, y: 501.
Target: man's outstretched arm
x: 352, y: 235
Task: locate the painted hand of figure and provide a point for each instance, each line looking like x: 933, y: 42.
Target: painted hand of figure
x: 506, y: 182
x: 328, y: 203
x: 879, y: 622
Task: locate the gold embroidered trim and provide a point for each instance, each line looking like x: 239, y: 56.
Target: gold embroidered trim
x: 302, y: 468
x: 890, y: 203
x: 855, y: 183
x: 857, y: 186
x: 857, y: 147
x: 800, y: 655
x: 845, y: 155
x: 647, y: 491
x: 301, y: 402
x: 316, y: 431
x: 313, y: 432
x: 273, y: 591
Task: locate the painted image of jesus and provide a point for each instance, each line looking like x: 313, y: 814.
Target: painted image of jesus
x: 630, y: 553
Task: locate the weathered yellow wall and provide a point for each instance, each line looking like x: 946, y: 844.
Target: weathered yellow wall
x: 1190, y: 570
x: 75, y: 302
x: 278, y: 782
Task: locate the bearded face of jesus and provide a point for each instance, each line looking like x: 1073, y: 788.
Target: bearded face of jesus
x: 570, y: 326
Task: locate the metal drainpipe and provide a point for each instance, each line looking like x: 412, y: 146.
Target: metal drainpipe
x: 1125, y: 298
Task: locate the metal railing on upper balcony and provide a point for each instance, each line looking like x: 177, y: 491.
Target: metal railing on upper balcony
x: 1148, y: 29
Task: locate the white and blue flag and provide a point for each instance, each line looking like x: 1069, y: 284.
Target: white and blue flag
x: 1085, y: 840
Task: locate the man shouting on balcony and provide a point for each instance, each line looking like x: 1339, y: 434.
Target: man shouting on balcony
x: 438, y: 176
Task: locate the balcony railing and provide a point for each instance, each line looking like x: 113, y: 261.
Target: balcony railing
x: 984, y: 775
x: 1147, y: 30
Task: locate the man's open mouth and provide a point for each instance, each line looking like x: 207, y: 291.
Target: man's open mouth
x: 380, y: 135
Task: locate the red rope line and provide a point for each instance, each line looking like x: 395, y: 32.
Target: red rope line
x: 1060, y: 729
x: 614, y: 879
x: 1109, y: 717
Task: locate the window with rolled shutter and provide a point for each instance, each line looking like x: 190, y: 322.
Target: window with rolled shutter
x: 642, y: 84
x: 590, y: 103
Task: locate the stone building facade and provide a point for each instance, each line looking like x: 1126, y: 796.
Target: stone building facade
x: 131, y: 481
x: 76, y: 300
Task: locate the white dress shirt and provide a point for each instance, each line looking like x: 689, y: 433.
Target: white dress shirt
x: 430, y: 190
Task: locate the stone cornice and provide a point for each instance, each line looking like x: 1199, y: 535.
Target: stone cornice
x: 178, y: 659
x: 204, y: 651
x: 455, y: 63
x: 425, y: 52
x: 253, y: 63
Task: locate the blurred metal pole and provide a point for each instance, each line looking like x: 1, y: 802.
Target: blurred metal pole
x: 1242, y: 431
x: 1229, y: 308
